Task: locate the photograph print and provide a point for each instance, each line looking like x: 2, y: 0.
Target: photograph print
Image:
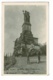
x: 25, y: 38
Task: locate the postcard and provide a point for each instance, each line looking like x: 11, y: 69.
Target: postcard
x: 25, y: 38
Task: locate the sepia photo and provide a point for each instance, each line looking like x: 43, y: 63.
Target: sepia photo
x: 25, y: 38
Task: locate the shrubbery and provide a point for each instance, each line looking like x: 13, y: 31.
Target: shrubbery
x: 9, y: 61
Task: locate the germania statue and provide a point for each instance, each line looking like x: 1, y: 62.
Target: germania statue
x: 26, y: 17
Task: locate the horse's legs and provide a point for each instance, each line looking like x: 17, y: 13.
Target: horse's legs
x: 38, y: 57
x: 28, y: 58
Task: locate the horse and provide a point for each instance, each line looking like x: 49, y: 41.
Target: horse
x: 37, y: 50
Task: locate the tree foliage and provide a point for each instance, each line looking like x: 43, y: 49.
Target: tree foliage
x: 43, y: 48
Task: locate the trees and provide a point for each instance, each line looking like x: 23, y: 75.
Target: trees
x: 43, y: 48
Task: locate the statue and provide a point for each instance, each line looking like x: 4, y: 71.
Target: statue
x: 26, y: 17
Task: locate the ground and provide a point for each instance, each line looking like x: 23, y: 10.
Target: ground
x: 22, y: 67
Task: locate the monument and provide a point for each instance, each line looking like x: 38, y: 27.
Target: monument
x: 26, y: 37
x: 26, y: 25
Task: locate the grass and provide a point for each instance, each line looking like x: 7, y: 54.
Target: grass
x: 22, y: 67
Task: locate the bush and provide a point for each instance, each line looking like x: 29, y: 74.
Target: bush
x: 8, y: 62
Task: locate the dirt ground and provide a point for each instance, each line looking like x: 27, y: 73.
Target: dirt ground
x: 22, y: 67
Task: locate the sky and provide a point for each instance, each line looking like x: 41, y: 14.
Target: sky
x: 14, y: 19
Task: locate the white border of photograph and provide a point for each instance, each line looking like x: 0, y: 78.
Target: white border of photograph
x: 50, y: 60
x: 36, y: 3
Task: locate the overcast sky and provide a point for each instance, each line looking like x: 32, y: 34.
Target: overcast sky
x: 14, y: 19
